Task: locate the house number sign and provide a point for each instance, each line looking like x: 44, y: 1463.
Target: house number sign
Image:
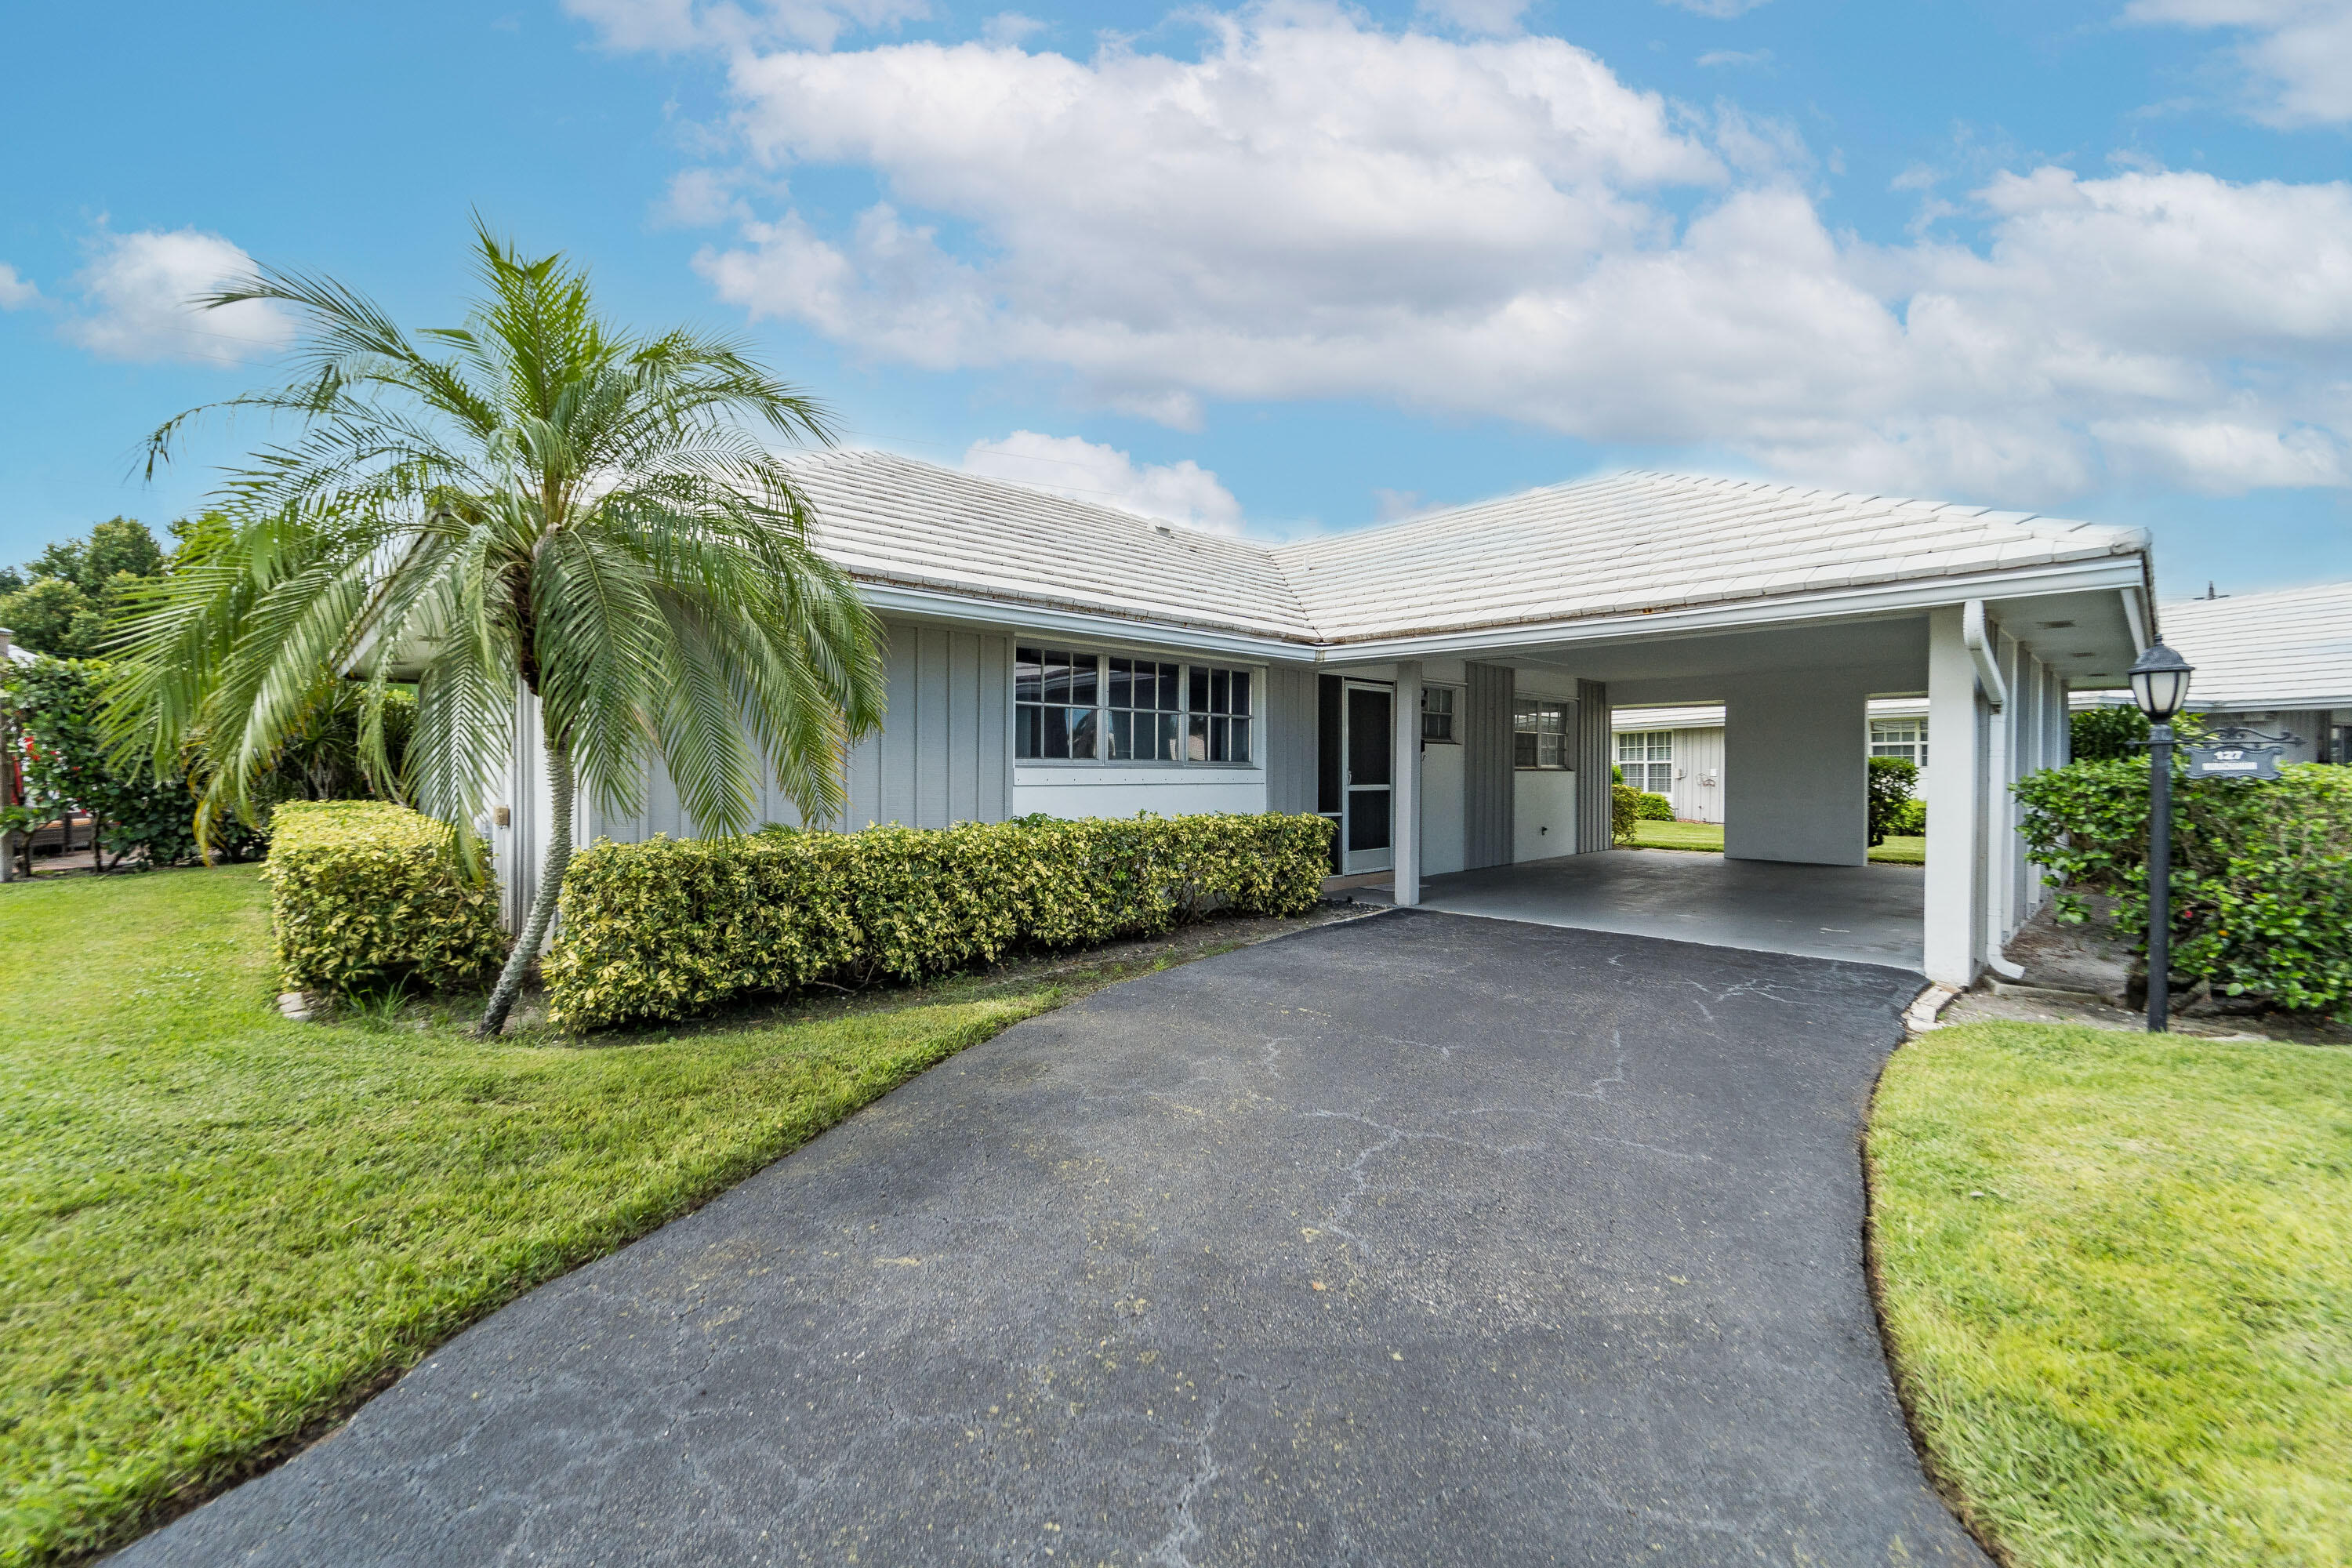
x: 2237, y: 753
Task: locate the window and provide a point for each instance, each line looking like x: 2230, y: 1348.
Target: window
x: 1071, y: 705
x: 1054, y: 693
x: 1219, y: 718
x: 1437, y: 715
x: 1647, y: 759
x: 1539, y: 736
x: 1904, y: 738
x: 1146, y: 711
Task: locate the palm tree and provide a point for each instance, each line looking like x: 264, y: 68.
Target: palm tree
x: 537, y: 502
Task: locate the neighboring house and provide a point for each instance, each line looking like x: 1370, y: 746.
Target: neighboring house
x: 1678, y: 751
x: 2278, y: 662
x: 1442, y: 688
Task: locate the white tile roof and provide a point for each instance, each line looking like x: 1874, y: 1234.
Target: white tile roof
x: 894, y: 520
x: 1618, y: 545
x: 2292, y: 649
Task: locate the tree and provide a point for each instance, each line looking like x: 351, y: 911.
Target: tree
x: 1891, y: 783
x: 64, y: 602
x: 540, y: 502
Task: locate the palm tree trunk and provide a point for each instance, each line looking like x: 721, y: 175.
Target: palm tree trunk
x: 543, y: 903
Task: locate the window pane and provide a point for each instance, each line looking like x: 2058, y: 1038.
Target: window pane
x: 1241, y: 741
x: 1241, y: 692
x: 1057, y: 732
x: 1082, y: 678
x: 1196, y: 745
x: 1122, y: 733
x: 1221, y: 695
x: 1028, y: 677
x: 1170, y: 748
x: 1057, y: 675
x: 1547, y: 749
x: 1122, y: 682
x: 1200, y: 703
x: 1171, y: 687
x: 1026, y: 730
x: 1523, y: 749
x: 1082, y: 731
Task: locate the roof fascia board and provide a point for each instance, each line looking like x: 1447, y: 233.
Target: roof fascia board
x: 1015, y: 614
x: 1836, y: 604
x: 2239, y: 702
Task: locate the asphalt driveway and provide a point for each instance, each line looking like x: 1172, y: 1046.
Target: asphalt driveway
x: 1416, y: 1239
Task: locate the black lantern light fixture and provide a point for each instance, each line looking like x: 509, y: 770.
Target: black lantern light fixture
x: 2159, y: 681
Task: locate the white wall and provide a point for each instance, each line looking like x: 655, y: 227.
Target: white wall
x: 1795, y: 784
x: 1698, y: 775
x: 1073, y: 792
x: 1543, y: 811
x: 1444, y: 822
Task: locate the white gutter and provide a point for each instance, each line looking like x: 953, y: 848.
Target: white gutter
x: 1973, y: 633
x: 2136, y: 616
x: 1834, y: 604
x: 1138, y: 631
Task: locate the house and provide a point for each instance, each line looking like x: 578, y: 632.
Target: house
x: 1678, y: 751
x: 2278, y: 662
x: 1442, y: 688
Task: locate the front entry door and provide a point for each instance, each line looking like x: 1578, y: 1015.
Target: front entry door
x: 1369, y: 748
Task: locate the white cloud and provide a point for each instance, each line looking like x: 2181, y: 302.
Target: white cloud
x: 1486, y: 19
x: 672, y: 25
x: 1010, y: 27
x: 1315, y: 209
x: 16, y: 292
x: 1736, y: 57
x: 139, y: 294
x: 698, y: 198
x: 1723, y: 10
x: 2297, y: 55
x: 1182, y: 493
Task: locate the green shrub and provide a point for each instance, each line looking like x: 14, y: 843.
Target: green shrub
x: 2262, y: 871
x: 671, y: 927
x: 1624, y: 811
x: 1907, y: 820
x: 1892, y: 781
x: 364, y: 893
x: 1655, y: 807
x: 2108, y: 734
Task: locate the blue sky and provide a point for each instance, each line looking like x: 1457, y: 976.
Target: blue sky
x: 1277, y: 268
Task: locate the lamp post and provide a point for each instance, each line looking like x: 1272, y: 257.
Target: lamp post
x: 2159, y: 683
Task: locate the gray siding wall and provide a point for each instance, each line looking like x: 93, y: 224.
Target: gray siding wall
x: 943, y: 753
x: 1596, y: 753
x: 1289, y: 731
x: 1488, y: 778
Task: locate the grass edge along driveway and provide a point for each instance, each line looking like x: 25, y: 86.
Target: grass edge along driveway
x: 2116, y: 1280
x: 219, y: 1229
x: 1707, y: 838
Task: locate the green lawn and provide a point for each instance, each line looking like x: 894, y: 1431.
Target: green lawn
x: 219, y: 1228
x: 1709, y: 837
x: 2116, y: 1273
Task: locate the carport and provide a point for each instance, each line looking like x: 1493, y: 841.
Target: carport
x: 1792, y: 610
x: 1864, y: 914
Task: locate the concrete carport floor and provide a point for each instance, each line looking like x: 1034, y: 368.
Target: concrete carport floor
x: 1413, y: 1240
x: 1869, y: 914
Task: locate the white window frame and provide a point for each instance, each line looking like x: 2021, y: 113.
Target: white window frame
x: 1524, y: 708
x: 1440, y: 702
x: 1646, y: 758
x: 1911, y: 745
x: 1193, y: 727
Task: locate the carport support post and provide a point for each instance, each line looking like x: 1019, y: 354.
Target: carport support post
x: 1952, y: 945
x: 1404, y: 835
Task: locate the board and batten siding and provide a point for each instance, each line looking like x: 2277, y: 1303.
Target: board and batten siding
x: 1288, y: 728
x: 1486, y: 800
x: 1596, y: 753
x: 944, y: 754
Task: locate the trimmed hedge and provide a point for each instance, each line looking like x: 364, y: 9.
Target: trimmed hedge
x: 1656, y: 807
x: 2262, y: 872
x: 1624, y: 811
x: 364, y: 893
x: 671, y: 927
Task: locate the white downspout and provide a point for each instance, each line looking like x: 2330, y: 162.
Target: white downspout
x: 1972, y: 632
